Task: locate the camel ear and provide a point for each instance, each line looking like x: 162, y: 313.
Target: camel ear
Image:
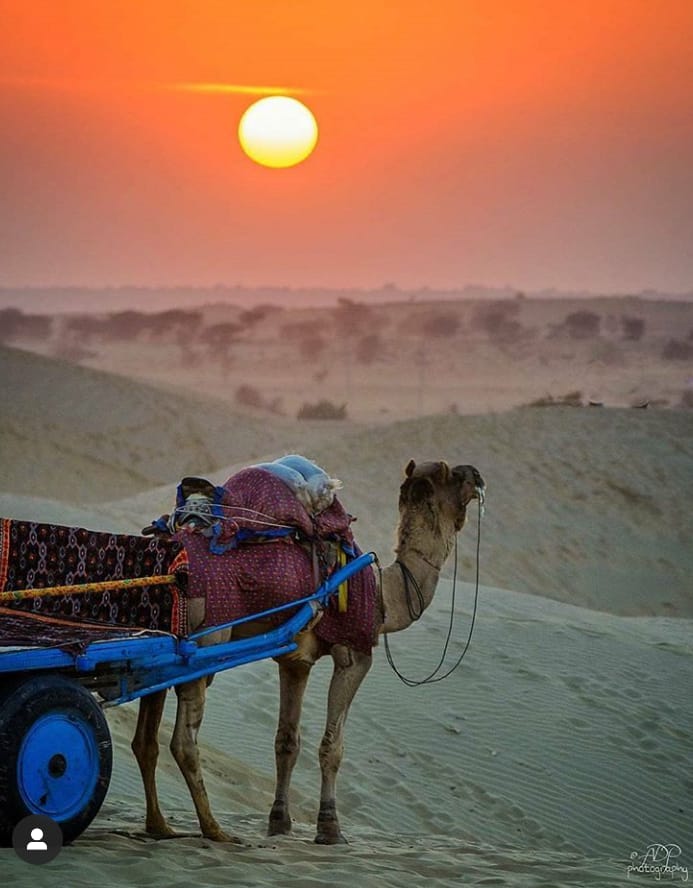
x: 411, y: 465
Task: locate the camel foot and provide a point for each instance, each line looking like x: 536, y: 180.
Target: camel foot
x: 329, y: 832
x: 217, y: 834
x: 279, y: 820
x: 160, y: 830
x: 324, y: 838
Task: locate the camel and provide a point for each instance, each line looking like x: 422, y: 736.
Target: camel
x: 432, y: 504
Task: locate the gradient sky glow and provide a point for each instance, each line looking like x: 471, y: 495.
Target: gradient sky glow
x: 518, y: 142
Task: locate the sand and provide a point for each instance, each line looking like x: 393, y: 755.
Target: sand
x: 561, y: 747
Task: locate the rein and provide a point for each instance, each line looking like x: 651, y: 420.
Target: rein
x: 413, y: 590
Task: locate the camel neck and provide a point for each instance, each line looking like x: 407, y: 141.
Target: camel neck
x: 418, y: 556
x: 408, y: 586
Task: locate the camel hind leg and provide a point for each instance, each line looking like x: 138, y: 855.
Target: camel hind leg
x: 350, y: 668
x: 145, y: 745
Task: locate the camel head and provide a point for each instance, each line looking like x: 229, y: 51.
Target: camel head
x: 442, y: 491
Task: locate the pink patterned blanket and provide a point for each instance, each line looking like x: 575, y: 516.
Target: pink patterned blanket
x: 257, y: 576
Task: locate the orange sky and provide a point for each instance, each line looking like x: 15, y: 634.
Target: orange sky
x: 531, y: 143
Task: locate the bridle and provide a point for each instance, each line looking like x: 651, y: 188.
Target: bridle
x: 415, y: 604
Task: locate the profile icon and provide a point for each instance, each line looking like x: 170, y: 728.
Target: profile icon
x: 37, y: 843
x: 37, y: 839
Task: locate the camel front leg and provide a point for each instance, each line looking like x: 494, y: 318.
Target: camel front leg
x: 293, y: 677
x: 350, y: 668
x: 191, y: 704
x: 145, y: 745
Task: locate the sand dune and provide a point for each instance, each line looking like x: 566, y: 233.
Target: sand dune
x: 561, y: 746
x: 586, y: 506
x: 559, y: 749
x: 80, y: 435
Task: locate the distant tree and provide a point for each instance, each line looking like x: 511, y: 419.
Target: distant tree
x: 174, y: 322
x: 125, y: 325
x: 677, y: 350
x: 308, y: 336
x: 14, y: 324
x: 312, y: 347
x: 301, y: 330
x: 498, y: 320
x: 441, y: 325
x: 219, y: 338
x: 633, y: 328
x: 352, y: 318
x: 369, y: 348
x: 252, y: 316
x: 582, y: 324
x: 84, y: 327
x: 10, y: 323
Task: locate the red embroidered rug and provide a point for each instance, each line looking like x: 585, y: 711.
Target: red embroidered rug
x: 37, y: 556
x: 258, y: 576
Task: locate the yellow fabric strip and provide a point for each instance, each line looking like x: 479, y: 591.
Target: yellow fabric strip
x: 343, y: 591
x: 81, y: 588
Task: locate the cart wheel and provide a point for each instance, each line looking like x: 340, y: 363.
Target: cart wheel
x: 55, y: 754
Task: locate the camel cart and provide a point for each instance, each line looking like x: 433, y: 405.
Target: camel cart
x: 55, y: 745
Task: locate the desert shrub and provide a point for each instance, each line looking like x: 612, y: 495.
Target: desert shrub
x: 633, y: 328
x: 14, y: 324
x: 322, y: 410
x: 441, y: 325
x: 571, y: 399
x: 677, y: 350
x: 249, y: 396
x: 582, y: 324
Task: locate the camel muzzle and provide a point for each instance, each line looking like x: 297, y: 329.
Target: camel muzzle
x: 471, y: 475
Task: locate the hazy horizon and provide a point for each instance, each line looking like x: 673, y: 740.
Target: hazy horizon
x: 60, y: 299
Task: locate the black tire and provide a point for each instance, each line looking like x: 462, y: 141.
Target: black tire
x: 55, y: 754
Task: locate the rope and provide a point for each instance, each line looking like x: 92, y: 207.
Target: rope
x: 81, y: 588
x: 433, y: 677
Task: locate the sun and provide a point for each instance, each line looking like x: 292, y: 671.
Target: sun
x: 278, y: 131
